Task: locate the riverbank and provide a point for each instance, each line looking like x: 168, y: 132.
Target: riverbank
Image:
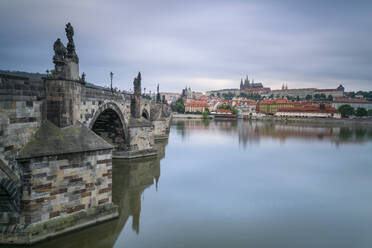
x: 201, y: 117
x: 319, y: 121
x: 190, y: 116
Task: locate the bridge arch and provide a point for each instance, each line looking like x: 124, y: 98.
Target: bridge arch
x: 145, y: 114
x: 109, y: 123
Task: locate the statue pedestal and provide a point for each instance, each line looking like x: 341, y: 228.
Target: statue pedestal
x: 71, y: 69
x: 67, y: 69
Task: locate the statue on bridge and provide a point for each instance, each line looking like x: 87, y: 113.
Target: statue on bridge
x: 136, y: 98
x: 59, y: 51
x: 71, y: 45
x: 137, y: 85
x: 158, y: 98
x: 65, y: 59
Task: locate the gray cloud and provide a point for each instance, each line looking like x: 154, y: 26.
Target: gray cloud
x: 205, y: 44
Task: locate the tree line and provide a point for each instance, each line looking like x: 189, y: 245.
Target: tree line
x: 346, y: 111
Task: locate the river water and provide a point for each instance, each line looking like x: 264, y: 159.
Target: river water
x: 242, y: 184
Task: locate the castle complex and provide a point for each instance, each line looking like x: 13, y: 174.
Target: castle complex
x: 250, y: 87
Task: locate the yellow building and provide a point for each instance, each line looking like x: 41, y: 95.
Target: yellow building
x: 272, y: 106
x: 196, y: 106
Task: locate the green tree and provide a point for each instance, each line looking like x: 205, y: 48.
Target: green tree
x: 242, y: 94
x: 178, y: 106
x: 369, y: 112
x: 330, y: 98
x: 309, y: 97
x: 234, y: 111
x: 346, y: 110
x: 361, y: 112
x: 205, y: 115
x: 228, y: 96
x: 229, y: 107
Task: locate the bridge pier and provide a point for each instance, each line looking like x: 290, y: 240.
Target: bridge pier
x: 141, y: 141
x: 161, y: 119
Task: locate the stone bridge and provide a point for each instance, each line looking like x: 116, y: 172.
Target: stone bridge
x: 58, y: 136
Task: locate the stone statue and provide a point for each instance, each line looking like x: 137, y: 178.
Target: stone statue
x: 69, y: 32
x: 83, y: 77
x: 163, y: 99
x: 135, y: 105
x: 70, y: 45
x: 137, y: 85
x: 59, y: 51
x: 65, y: 59
x: 158, y: 99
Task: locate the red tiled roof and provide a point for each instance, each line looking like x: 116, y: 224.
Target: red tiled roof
x: 197, y: 104
x: 226, y: 111
x: 203, y: 98
x: 350, y: 100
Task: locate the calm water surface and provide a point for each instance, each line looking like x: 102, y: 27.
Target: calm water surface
x: 242, y: 184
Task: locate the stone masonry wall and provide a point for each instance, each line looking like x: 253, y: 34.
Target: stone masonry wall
x: 141, y: 138
x: 160, y: 128
x: 22, y: 109
x: 63, y: 101
x: 93, y: 98
x: 63, y: 184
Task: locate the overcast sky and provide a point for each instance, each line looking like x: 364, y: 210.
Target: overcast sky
x: 204, y: 44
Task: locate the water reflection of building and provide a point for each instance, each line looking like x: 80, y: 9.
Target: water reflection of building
x: 130, y: 179
x: 251, y: 132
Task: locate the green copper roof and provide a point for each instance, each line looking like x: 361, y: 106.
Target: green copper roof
x: 52, y: 140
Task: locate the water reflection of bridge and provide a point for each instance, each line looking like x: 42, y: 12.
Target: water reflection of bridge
x: 130, y: 180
